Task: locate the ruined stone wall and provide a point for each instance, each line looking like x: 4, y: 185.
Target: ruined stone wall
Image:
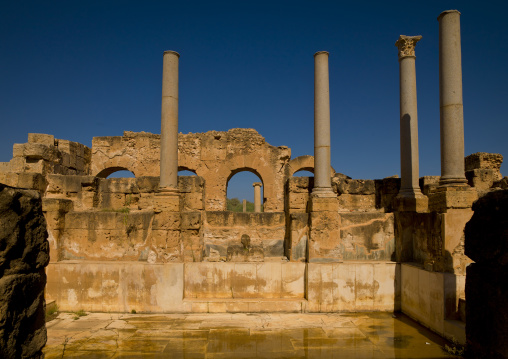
x: 117, y: 219
x: 365, y: 229
x: 24, y: 253
x: 43, y: 154
x: 215, y: 156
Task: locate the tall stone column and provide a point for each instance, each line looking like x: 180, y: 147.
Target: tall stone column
x: 257, y: 196
x: 410, y: 196
x: 450, y: 99
x: 322, y: 180
x: 169, y: 123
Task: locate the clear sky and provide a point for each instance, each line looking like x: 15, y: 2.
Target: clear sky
x: 94, y: 68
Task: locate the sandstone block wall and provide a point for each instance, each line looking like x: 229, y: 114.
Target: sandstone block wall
x: 24, y: 252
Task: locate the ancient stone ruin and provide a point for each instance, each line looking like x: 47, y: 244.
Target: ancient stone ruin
x: 24, y: 252
x: 160, y: 242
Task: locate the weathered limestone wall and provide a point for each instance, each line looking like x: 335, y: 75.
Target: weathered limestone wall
x: 215, y: 156
x: 363, y: 229
x: 486, y: 286
x: 432, y: 298
x: 243, y: 237
x: 116, y: 219
x: 44, y: 154
x: 24, y: 252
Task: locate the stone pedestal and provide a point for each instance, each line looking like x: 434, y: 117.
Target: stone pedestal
x: 450, y: 99
x: 169, y: 122
x: 322, y: 179
x: 257, y: 196
x: 324, y: 244
x: 444, y: 198
x: 410, y: 197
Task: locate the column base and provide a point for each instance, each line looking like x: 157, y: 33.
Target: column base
x: 326, y: 192
x: 453, y: 181
x: 451, y: 196
x: 411, y: 202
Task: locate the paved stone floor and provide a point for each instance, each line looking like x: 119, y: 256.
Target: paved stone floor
x: 355, y: 335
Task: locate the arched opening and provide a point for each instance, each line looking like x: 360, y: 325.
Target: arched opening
x: 304, y: 173
x: 116, y: 172
x: 240, y: 186
x: 186, y: 173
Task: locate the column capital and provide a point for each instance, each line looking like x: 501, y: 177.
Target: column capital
x: 257, y: 184
x: 406, y: 45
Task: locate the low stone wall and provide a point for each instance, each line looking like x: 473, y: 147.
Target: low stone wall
x: 432, y: 298
x: 224, y: 287
x: 24, y: 252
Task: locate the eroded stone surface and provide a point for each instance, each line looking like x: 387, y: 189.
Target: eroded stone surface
x: 24, y: 252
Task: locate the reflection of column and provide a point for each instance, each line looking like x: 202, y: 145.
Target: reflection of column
x: 322, y: 180
x: 169, y: 122
x: 450, y: 98
x: 408, y: 116
x: 244, y: 205
x: 257, y: 196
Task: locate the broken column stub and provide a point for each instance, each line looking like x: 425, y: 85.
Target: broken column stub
x: 257, y: 196
x: 322, y: 179
x: 410, y: 197
x: 453, y: 190
x: 169, y: 123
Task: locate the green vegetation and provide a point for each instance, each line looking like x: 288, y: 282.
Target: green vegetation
x: 52, y: 313
x: 79, y: 313
x: 235, y: 205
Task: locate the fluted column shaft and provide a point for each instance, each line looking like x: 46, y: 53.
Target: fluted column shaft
x: 409, y: 163
x: 450, y: 99
x: 322, y: 180
x: 169, y: 122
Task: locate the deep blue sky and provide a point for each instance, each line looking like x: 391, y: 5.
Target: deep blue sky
x: 83, y: 69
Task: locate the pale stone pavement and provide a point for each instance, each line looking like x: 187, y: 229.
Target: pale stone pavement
x: 354, y: 335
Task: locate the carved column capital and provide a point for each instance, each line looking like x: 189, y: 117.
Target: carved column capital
x: 406, y: 45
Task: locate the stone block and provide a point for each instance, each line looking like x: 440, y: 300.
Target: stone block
x: 191, y: 220
x: 166, y: 202
x: 244, y: 283
x: 208, y: 280
x: 428, y: 184
x: 324, y: 205
x: 482, y: 179
x: 293, y: 280
x: 34, y: 181
x: 166, y: 220
x: 356, y: 186
x: 57, y: 205
x: 299, y: 226
x: 146, y: 184
x: 324, y: 243
x: 269, y: 279
x: 47, y: 140
x: 9, y: 179
x: 18, y: 150
x: 356, y: 202
x: 483, y: 160
x: 445, y: 198
x: 193, y: 201
x: 119, y: 185
x: 367, y: 236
